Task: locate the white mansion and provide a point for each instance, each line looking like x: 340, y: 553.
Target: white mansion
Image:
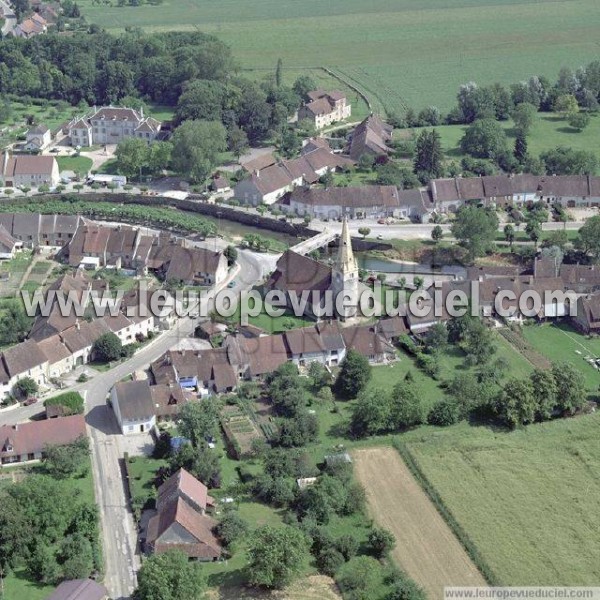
x: 109, y: 125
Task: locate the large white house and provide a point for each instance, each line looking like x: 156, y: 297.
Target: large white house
x: 110, y: 125
x: 325, y: 108
x: 133, y: 406
x: 31, y: 171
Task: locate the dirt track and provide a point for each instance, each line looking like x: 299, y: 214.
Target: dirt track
x: 425, y: 548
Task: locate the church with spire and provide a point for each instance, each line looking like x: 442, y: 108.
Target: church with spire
x: 337, y: 282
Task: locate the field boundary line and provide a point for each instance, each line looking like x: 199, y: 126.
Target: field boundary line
x: 462, y: 536
x: 340, y: 77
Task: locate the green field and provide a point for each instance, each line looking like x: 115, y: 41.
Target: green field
x: 564, y: 344
x: 548, y: 131
x: 527, y: 499
x: 402, y: 52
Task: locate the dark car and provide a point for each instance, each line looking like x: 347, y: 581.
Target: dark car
x: 30, y: 401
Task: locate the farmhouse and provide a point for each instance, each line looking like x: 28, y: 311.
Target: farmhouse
x: 268, y: 184
x: 325, y: 108
x: 334, y: 202
x: 110, y: 125
x: 181, y: 521
x: 371, y: 137
x: 30, y: 171
x: 587, y: 319
x: 26, y: 442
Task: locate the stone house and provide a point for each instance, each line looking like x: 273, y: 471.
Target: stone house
x: 325, y: 108
x: 31, y: 171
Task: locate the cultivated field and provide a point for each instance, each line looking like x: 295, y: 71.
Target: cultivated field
x: 426, y: 548
x: 526, y: 499
x: 404, y: 52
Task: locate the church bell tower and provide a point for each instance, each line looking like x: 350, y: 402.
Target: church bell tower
x: 345, y: 275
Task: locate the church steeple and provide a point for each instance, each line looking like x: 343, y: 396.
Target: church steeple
x: 345, y: 273
x: 345, y: 260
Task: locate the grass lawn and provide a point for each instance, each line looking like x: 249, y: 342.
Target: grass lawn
x: 563, y: 344
x: 527, y: 499
x: 142, y: 472
x: 548, y: 131
x: 78, y: 164
x: 401, y: 52
x: 275, y: 324
x: 16, y: 585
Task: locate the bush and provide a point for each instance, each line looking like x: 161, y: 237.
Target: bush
x: 71, y: 401
x: 444, y: 413
x: 381, y: 542
x: 24, y: 388
x: 107, y: 347
x: 359, y: 578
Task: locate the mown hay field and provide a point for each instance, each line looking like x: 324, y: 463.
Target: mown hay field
x: 426, y: 548
x: 527, y: 499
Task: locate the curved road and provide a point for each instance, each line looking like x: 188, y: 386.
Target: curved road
x: 10, y: 20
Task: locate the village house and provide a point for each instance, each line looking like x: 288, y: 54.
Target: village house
x: 79, y: 589
x: 181, y: 520
x: 20, y: 361
x: 31, y: 171
x: 34, y: 229
x: 373, y: 201
x: 35, y: 25
x: 371, y: 138
x: 37, y: 138
x: 325, y: 108
x: 110, y: 125
x: 8, y: 244
x: 366, y: 340
x: 26, y: 442
x: 133, y: 406
x: 269, y: 180
x: 322, y: 343
x: 587, y: 317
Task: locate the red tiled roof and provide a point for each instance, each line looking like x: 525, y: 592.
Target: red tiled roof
x: 30, y: 438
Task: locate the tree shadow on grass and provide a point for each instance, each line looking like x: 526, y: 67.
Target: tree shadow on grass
x: 569, y: 130
x: 552, y: 118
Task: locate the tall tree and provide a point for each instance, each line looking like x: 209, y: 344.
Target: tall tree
x: 276, y: 555
x: 570, y: 386
x: 354, y: 374
x: 523, y: 116
x: 476, y: 229
x: 545, y: 393
x: 199, y: 421
x: 485, y: 138
x: 279, y: 73
x: 516, y: 403
x: 170, y: 576
x: 196, y: 148
x: 589, y: 237
x: 520, y: 151
x: 509, y: 234
x: 429, y: 155
x: 132, y: 156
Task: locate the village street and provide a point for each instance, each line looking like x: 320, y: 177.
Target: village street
x: 119, y: 533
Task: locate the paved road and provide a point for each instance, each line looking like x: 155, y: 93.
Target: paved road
x: 415, y: 231
x: 119, y: 535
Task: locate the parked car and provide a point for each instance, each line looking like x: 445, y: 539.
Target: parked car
x: 381, y: 221
x: 30, y: 401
